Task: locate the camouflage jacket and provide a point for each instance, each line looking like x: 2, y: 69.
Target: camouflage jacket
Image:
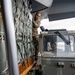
x: 36, y: 24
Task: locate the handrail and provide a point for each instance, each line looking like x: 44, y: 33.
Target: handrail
x: 10, y: 36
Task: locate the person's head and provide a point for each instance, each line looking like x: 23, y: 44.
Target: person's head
x: 37, y: 15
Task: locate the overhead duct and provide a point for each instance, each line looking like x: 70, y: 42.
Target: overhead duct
x: 47, y: 3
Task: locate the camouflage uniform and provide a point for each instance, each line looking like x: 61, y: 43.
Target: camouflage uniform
x: 36, y: 24
x: 0, y: 14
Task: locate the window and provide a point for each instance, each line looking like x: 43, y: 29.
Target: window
x: 68, y: 24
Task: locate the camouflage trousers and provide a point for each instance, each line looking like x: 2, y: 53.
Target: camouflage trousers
x: 36, y: 44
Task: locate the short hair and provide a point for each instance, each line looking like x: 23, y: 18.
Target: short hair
x: 37, y: 13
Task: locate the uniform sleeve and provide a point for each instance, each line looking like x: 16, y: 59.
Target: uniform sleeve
x: 36, y: 24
